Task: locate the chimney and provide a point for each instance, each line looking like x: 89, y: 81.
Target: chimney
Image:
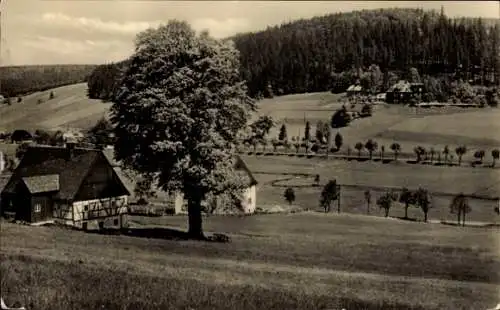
x: 70, y: 146
x: 2, y: 162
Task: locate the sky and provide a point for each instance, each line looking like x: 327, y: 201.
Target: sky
x: 103, y: 31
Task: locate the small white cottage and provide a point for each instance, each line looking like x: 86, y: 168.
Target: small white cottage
x: 246, y: 205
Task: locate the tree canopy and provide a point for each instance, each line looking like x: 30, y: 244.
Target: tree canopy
x: 177, y: 112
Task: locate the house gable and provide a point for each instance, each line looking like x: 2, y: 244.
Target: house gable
x: 241, y: 166
x: 101, y: 181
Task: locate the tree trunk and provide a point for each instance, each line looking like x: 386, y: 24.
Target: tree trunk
x: 459, y: 213
x: 371, y: 155
x: 425, y: 216
x: 494, y: 160
x: 406, y: 211
x: 395, y: 156
x: 459, y: 160
x: 386, y: 212
x: 367, y: 208
x: 195, y: 219
x: 463, y: 219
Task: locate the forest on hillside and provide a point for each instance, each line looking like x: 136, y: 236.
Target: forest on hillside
x: 374, y: 47
x: 22, y: 80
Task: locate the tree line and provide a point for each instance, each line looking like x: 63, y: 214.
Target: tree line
x: 420, y: 198
x: 21, y: 80
x: 258, y: 131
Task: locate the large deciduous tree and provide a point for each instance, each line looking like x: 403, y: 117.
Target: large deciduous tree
x: 178, y: 112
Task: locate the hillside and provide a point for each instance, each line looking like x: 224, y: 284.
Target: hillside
x: 302, y: 56
x: 435, y: 127
x: 390, y: 123
x: 23, y: 80
x: 374, y: 47
x: 296, y: 261
x: 70, y: 108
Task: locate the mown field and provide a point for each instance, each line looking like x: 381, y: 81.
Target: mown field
x: 299, y: 261
x: 371, y: 175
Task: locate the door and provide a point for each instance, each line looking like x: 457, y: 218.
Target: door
x: 41, y: 208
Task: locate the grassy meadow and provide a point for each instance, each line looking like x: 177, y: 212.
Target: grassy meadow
x: 439, y: 181
x: 297, y: 261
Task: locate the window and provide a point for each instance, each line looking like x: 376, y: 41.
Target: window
x: 38, y: 208
x: 115, y: 222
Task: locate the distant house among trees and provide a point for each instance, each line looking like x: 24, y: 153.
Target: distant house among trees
x: 403, y: 91
x: 20, y: 136
x: 67, y: 185
x: 354, y: 90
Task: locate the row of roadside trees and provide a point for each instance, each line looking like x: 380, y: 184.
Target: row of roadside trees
x: 321, y: 142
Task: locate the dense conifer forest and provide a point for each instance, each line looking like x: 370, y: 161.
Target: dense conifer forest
x: 22, y: 80
x: 374, y: 47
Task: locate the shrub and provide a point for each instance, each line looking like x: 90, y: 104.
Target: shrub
x: 289, y: 195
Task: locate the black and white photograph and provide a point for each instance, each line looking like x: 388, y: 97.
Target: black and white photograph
x: 249, y: 155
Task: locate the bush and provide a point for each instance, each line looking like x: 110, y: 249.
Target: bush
x: 289, y: 195
x: 366, y: 110
x: 340, y: 118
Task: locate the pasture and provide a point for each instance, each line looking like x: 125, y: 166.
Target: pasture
x: 298, y: 261
x: 70, y: 108
x: 439, y: 181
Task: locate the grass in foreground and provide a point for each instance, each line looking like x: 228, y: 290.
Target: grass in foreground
x: 301, y: 261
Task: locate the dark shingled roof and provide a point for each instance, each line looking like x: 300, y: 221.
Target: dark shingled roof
x: 45, y: 160
x: 42, y: 183
x: 240, y: 165
x: 4, y: 179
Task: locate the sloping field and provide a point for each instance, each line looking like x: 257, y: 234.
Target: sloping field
x: 300, y: 261
x: 428, y: 127
x: 71, y: 108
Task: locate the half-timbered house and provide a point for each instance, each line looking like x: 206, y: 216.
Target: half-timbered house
x: 68, y: 185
